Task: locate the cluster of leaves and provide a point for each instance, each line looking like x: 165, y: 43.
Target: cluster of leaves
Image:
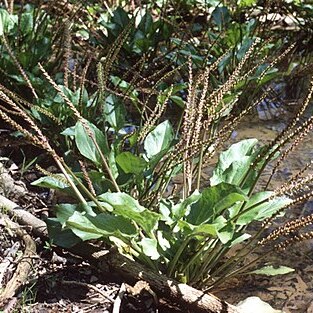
x: 129, y: 154
x: 181, y: 238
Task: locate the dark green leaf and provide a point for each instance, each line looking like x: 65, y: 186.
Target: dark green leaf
x: 114, y: 112
x: 130, y: 163
x: 221, y: 16
x: 64, y: 211
x: 146, y: 23
x: 85, y: 143
x: 120, y: 17
x: 183, y: 208
x: 27, y: 23
x: 103, y: 225
x: 62, y: 237
x: 213, y: 201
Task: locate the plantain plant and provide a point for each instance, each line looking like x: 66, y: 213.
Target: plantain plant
x: 121, y: 157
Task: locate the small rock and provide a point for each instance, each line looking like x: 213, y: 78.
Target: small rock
x: 56, y: 259
x: 256, y: 305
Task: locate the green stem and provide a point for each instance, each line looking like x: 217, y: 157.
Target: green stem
x: 70, y: 181
x: 85, y: 190
x: 179, y: 252
x: 106, y: 166
x: 240, y: 270
x: 209, y: 255
x: 196, y: 255
x: 240, y: 254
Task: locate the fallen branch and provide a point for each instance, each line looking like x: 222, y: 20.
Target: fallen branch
x: 24, y: 266
x: 187, y: 297
x: 38, y: 227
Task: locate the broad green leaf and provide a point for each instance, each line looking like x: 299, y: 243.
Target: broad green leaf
x: 131, y: 163
x: 103, y: 225
x: 270, y: 270
x: 120, y: 17
x: 114, y: 112
x: 213, y: 201
x: 64, y: 211
x: 86, y: 145
x: 207, y: 229
x: 27, y: 23
x: 165, y: 210
x: 51, y: 182
x: 226, y: 233
x: 238, y: 238
x: 116, y: 225
x: 70, y: 131
x: 159, y: 139
x: 146, y: 23
x: 183, y: 208
x: 83, y: 228
x: 234, y: 164
x: 228, y: 201
x: 245, y: 46
x: 266, y: 208
x: 178, y: 100
x: 7, y: 21
x: 126, y: 206
x: 149, y: 248
x: 62, y: 237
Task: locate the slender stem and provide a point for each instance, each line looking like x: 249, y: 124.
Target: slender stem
x: 179, y: 252
x: 241, y: 253
x: 85, y: 190
x: 200, y: 167
x: 196, y: 255
x: 70, y: 181
x: 106, y: 166
x: 206, y: 260
x: 234, y: 218
x: 236, y: 272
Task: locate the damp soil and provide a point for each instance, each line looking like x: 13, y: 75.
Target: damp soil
x: 292, y: 292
